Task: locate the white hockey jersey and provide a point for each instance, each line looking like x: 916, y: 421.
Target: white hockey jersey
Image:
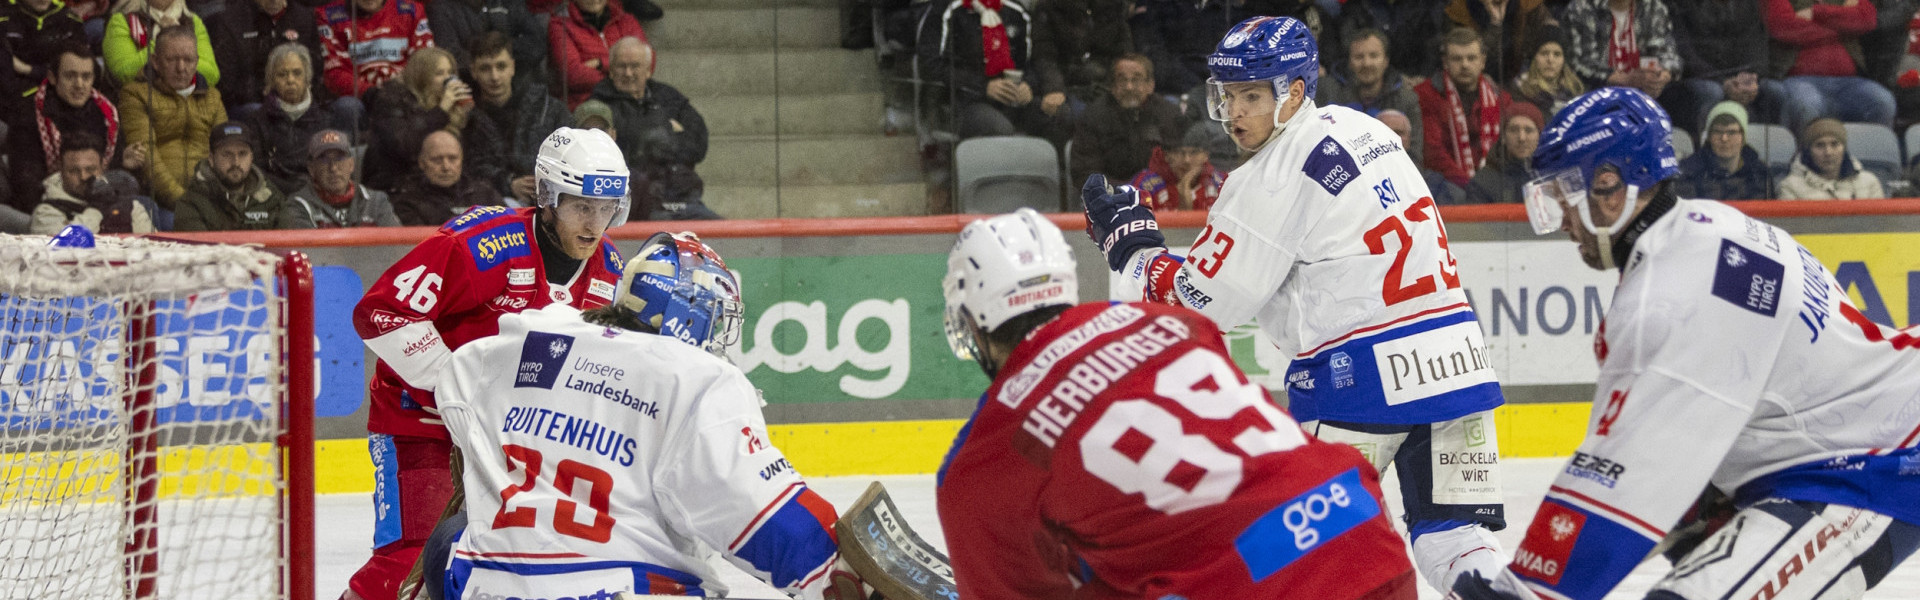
x: 1329, y: 238
x: 601, y: 460
x: 1730, y: 356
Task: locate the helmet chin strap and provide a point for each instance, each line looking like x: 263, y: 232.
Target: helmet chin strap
x: 1604, y: 235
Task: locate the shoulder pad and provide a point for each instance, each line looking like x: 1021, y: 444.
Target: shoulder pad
x: 474, y: 216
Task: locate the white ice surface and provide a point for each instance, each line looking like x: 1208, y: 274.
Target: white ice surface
x: 346, y: 530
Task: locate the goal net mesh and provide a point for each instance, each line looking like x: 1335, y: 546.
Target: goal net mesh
x: 141, y: 385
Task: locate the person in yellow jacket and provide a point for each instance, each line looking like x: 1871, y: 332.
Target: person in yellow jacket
x: 133, y: 31
x: 172, y: 110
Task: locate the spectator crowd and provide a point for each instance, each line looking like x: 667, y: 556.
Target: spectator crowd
x: 145, y: 115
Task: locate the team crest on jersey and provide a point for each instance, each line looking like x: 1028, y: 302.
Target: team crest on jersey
x: 1331, y: 167
x: 1748, y: 279
x: 541, y: 357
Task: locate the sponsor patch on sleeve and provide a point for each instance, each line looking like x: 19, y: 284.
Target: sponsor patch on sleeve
x: 601, y: 288
x: 474, y: 216
x: 1549, y: 542
x: 1748, y: 279
x: 541, y: 358
x: 1331, y: 166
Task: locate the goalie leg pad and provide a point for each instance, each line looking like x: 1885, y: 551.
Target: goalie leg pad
x: 1792, y: 550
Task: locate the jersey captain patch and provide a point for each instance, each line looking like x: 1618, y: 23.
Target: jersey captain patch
x: 1748, y: 279
x: 1331, y: 166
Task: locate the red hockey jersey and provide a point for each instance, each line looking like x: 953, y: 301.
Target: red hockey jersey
x: 451, y: 289
x: 1121, y: 455
x: 360, y: 51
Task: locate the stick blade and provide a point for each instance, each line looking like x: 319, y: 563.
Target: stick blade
x: 877, y: 542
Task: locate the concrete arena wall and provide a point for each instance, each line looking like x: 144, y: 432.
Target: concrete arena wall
x: 843, y: 332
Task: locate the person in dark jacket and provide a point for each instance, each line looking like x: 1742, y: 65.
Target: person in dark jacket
x: 1725, y: 168
x: 1120, y: 130
x: 334, y: 199
x: 67, y: 104
x: 1723, y: 52
x: 459, y: 25
x: 1177, y: 35
x: 227, y: 193
x: 1370, y: 84
x: 244, y: 36
x: 1414, y: 25
x: 988, y: 89
x: 580, y: 38
x: 425, y: 98
x: 511, y: 118
x: 661, y: 134
x: 439, y: 189
x: 1510, y: 166
x: 1073, y: 43
x: 1509, y: 32
x: 289, y: 116
x: 32, y: 34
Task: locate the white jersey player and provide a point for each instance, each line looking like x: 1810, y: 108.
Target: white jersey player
x: 1731, y: 360
x: 1329, y: 239
x: 603, y: 458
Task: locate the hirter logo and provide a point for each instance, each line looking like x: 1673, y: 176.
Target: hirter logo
x: 1549, y: 542
x: 386, y: 322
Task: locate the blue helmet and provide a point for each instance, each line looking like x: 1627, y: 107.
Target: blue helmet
x: 1614, y: 126
x: 1264, y: 48
x: 680, y: 287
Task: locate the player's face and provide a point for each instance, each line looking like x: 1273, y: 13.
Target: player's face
x: 1250, y: 106
x: 1606, y: 197
x: 579, y: 222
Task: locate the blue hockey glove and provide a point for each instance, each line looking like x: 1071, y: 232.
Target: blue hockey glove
x: 1473, y: 586
x: 1117, y: 222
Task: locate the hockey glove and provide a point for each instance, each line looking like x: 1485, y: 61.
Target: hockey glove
x: 1474, y: 586
x: 1117, y: 222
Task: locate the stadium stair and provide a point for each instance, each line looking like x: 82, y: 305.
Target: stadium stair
x: 813, y: 149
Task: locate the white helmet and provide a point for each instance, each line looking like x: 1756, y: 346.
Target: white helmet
x: 581, y: 162
x: 1001, y: 268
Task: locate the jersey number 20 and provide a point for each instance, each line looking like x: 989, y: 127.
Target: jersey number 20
x: 1140, y: 447
x: 567, y: 476
x: 1395, y: 289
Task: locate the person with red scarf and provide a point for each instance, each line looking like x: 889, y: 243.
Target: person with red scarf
x: 1181, y: 176
x: 65, y: 103
x: 979, y: 53
x: 1460, y: 109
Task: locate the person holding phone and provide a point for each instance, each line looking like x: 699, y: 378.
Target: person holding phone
x: 1623, y: 43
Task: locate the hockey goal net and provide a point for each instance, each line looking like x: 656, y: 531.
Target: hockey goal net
x: 156, y: 435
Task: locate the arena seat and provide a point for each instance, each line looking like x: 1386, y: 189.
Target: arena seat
x: 998, y: 174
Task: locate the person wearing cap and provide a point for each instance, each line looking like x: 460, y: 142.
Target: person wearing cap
x: 1725, y: 168
x: 1181, y: 176
x: 1508, y: 166
x: 594, y: 114
x: 332, y: 198
x: 1823, y: 170
x: 1121, y: 129
x: 227, y: 191
x: 439, y: 189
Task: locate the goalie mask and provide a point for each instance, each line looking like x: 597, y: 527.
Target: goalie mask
x: 1001, y: 268
x: 680, y: 287
x: 584, y: 163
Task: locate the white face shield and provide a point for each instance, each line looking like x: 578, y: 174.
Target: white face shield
x: 1550, y: 195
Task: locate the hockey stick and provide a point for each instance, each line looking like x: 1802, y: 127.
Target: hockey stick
x: 877, y: 542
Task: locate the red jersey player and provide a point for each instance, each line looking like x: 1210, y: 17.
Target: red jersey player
x: 452, y: 289
x: 1120, y: 454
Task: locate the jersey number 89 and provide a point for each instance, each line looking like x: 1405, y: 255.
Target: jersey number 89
x: 1139, y: 447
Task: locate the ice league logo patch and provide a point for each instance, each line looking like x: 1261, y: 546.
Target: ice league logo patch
x: 541, y: 358
x: 1748, y: 279
x: 1331, y: 166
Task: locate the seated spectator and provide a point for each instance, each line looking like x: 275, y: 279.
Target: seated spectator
x: 458, y: 27
x: 1177, y: 35
x: 1508, y: 30
x: 662, y: 136
x: 426, y: 98
x: 1121, y: 129
x: 332, y: 199
x: 1547, y: 82
x: 581, y: 35
x: 1443, y: 191
x: 1823, y: 170
x: 131, y: 38
x: 594, y: 114
x: 67, y: 103
x: 83, y: 192
x: 1626, y: 43
x: 171, y: 111
x: 291, y: 115
x: 1370, y: 85
x: 1416, y: 26
x: 439, y: 189
x: 519, y: 111
x: 1180, y: 176
x: 1074, y: 41
x: 1511, y: 164
x: 987, y: 84
x: 1460, y: 109
x: 35, y: 32
x: 1725, y: 168
x: 364, y: 43
x: 228, y: 192
x: 244, y: 37
x: 1723, y: 49
x: 1814, y: 47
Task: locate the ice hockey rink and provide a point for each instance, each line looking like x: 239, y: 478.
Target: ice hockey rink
x: 346, y: 530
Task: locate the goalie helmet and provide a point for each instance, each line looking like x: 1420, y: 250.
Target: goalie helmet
x: 680, y: 287
x: 1001, y: 268
x: 1277, y: 49
x: 581, y: 162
